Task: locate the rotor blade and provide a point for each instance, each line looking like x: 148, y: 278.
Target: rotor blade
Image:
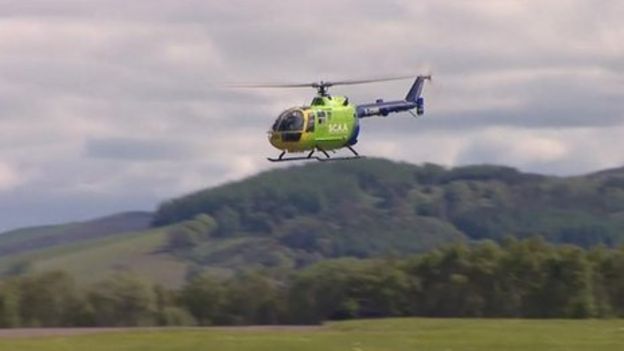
x: 272, y: 85
x: 317, y: 84
x: 364, y: 81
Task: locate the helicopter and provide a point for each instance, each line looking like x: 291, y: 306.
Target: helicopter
x: 331, y: 123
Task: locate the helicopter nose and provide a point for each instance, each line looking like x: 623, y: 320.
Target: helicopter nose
x: 275, y: 139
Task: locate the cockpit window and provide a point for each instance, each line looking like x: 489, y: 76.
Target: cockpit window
x: 289, y: 121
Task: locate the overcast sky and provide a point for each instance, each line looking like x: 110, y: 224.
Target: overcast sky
x: 115, y: 105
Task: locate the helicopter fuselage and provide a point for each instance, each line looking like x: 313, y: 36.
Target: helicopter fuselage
x: 328, y: 123
x: 331, y: 122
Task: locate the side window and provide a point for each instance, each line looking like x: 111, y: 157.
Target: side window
x: 310, y: 126
x: 321, y: 116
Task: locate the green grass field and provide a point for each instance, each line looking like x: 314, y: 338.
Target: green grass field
x: 390, y: 334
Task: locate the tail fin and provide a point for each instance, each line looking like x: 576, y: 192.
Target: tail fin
x: 416, y: 89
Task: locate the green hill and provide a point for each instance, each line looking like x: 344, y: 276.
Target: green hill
x: 369, y: 206
x: 34, y: 238
x: 290, y: 218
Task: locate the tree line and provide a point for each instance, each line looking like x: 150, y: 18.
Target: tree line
x: 421, y: 207
x: 518, y: 279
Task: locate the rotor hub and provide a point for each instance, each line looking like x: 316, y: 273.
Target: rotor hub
x: 322, y: 87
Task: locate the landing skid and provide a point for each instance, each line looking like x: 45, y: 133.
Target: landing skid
x: 324, y: 159
x: 309, y: 157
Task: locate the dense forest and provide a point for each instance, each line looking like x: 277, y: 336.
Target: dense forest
x: 373, y: 207
x: 528, y: 278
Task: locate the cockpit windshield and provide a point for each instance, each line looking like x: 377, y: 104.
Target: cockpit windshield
x: 289, y: 121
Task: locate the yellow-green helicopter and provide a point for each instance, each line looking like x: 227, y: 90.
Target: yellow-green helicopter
x: 332, y: 122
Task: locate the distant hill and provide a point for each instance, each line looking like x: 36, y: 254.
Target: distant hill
x: 34, y: 238
x: 289, y: 218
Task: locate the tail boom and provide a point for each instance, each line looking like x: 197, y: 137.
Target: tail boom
x: 381, y: 108
x: 413, y: 100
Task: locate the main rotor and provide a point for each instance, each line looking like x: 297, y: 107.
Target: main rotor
x: 322, y: 87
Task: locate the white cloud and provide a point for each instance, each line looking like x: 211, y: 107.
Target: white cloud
x: 9, y: 177
x: 523, y: 147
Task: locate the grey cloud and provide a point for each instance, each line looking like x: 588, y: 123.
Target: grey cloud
x: 112, y: 105
x: 133, y: 149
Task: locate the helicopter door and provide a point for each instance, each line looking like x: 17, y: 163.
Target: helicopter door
x: 322, y: 118
x: 310, y: 123
x: 321, y: 122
